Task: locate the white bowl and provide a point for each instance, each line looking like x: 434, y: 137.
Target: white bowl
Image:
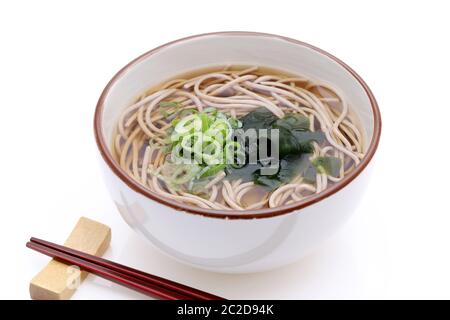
x: 218, y: 240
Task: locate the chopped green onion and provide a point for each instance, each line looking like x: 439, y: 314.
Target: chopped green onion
x: 328, y: 165
x: 179, y: 173
x: 188, y: 124
x: 205, y: 121
x: 186, y: 112
x: 211, y: 151
x: 220, y: 126
x: 169, y: 104
x: 210, y: 110
x: 213, y: 170
x: 204, y: 137
x: 235, y: 123
x: 189, y: 142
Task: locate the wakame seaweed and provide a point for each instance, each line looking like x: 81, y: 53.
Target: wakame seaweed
x: 295, y: 143
x: 289, y: 167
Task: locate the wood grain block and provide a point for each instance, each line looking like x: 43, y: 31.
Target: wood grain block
x: 58, y: 281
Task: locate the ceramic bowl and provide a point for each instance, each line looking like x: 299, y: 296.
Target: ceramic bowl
x: 221, y: 241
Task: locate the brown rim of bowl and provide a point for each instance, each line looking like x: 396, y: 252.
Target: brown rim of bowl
x: 224, y: 214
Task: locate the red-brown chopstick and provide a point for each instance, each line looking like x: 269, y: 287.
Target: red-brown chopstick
x: 135, y: 279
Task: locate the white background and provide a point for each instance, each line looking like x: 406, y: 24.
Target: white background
x: 56, y: 57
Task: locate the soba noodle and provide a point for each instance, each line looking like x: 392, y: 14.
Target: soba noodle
x: 140, y: 142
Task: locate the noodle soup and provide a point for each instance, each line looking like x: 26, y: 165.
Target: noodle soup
x: 238, y: 138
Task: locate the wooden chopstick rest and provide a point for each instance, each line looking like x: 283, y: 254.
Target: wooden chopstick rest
x: 58, y: 281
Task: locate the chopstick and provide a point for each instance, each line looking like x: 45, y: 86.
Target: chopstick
x: 145, y: 283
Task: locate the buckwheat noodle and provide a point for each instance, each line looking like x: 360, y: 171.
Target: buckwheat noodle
x: 139, y: 141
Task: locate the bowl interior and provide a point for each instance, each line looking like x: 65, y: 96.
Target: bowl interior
x: 232, y: 48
